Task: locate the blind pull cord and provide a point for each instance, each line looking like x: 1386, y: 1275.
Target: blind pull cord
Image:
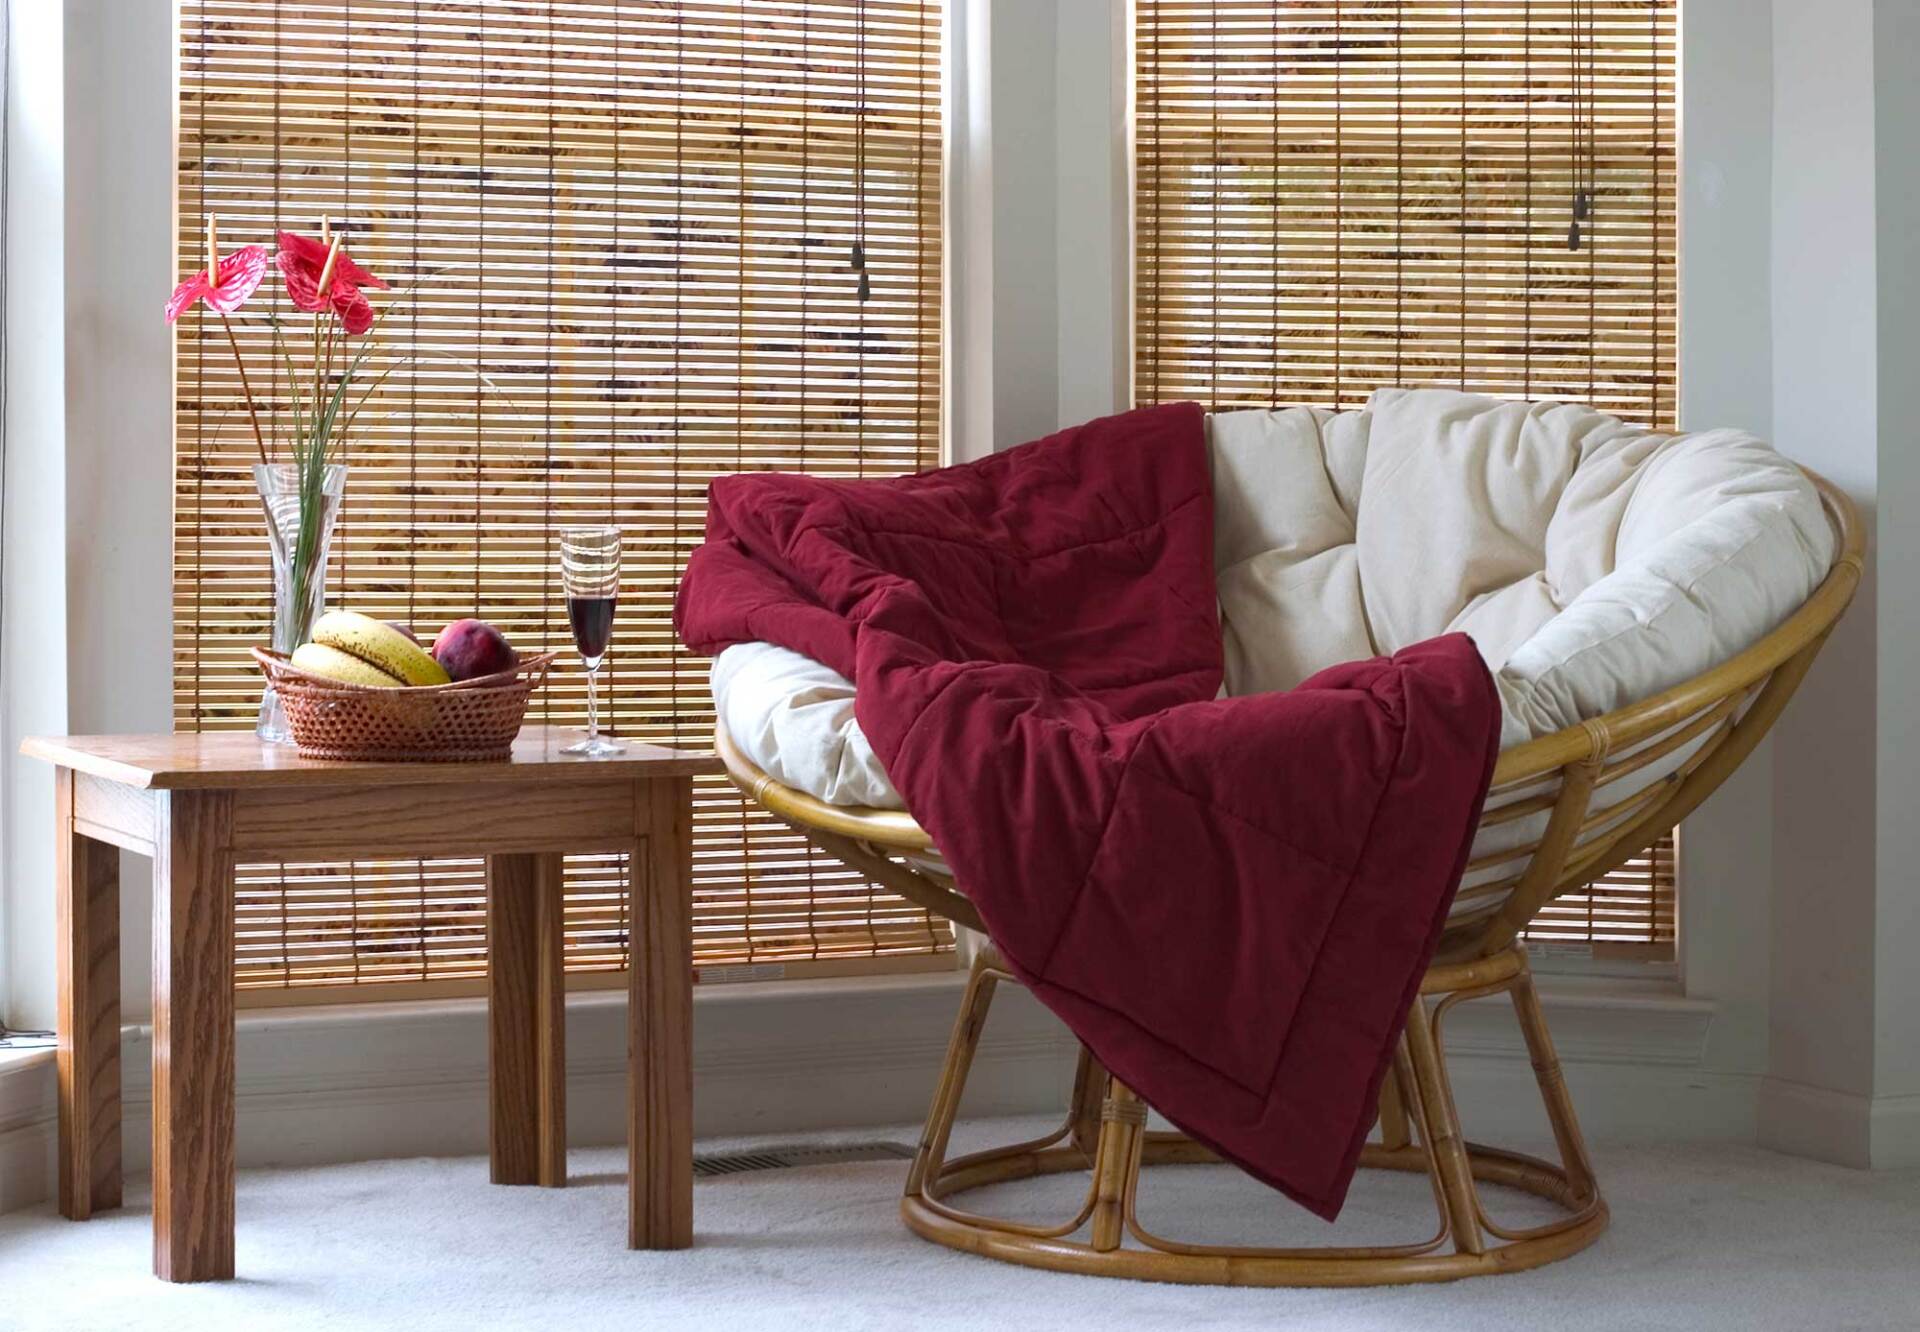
x: 857, y: 261
x: 1582, y: 120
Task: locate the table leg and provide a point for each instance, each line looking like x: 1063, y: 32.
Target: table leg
x: 193, y: 1036
x: 87, y: 879
x: 526, y: 1020
x: 660, y: 1022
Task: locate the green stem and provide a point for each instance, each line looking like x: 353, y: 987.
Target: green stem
x: 310, y: 464
x: 246, y: 386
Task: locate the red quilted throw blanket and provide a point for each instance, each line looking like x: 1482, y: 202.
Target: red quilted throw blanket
x: 1231, y: 901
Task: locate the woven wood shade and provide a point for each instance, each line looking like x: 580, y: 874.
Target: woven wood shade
x: 1334, y: 196
x: 630, y: 225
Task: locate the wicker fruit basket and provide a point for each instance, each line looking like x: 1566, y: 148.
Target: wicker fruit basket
x: 468, y: 721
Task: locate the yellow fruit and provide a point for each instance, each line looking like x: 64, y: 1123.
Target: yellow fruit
x: 379, y: 645
x: 331, y: 662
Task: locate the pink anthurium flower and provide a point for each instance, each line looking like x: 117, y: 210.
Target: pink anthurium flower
x: 320, y: 276
x: 225, y: 286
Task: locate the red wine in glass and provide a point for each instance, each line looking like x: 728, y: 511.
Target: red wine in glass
x: 592, y: 621
x: 590, y: 578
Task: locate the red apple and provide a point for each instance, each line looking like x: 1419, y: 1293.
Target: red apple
x: 468, y: 649
x: 400, y: 628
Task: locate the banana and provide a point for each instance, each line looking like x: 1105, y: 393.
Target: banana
x: 380, y: 646
x: 343, y: 666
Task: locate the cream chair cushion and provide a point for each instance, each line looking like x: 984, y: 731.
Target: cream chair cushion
x: 794, y: 718
x: 1594, y: 564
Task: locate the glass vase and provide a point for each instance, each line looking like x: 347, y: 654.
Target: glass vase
x: 299, y: 565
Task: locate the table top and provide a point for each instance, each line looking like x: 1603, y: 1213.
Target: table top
x: 221, y: 760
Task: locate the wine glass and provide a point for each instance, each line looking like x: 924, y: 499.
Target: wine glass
x: 590, y: 576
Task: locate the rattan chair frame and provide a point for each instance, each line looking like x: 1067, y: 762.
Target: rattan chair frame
x: 1701, y: 729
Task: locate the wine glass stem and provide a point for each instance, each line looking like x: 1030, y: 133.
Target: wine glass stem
x: 593, y: 700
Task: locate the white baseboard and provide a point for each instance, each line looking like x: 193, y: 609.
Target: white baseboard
x: 367, y: 1081
x: 27, y: 1129
x: 1896, y: 1132
x: 1846, y: 1128
x: 1633, y: 1055
x: 1816, y: 1122
x: 356, y: 1082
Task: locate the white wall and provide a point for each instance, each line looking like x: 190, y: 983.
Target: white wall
x: 1844, y: 1081
x: 89, y: 645
x: 1025, y: 297
x: 120, y: 114
x: 1897, y: 725
x: 1726, y: 378
x: 1002, y: 277
x: 1092, y: 211
x: 1825, y: 414
x: 1844, y: 995
x: 33, y: 654
x: 1040, y: 213
x: 969, y: 227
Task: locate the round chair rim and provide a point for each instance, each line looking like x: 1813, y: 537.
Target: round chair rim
x: 1588, y: 741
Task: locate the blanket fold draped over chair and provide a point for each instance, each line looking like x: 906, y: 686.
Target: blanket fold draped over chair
x: 1230, y: 901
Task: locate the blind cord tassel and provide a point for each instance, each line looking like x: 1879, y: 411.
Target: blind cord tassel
x: 858, y: 262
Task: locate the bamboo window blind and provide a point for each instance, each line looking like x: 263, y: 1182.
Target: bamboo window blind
x: 1331, y: 196
x: 631, y: 224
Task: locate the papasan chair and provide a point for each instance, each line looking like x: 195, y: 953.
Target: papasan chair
x: 1647, y: 605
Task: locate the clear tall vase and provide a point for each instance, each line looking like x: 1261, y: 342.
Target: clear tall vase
x: 299, y: 566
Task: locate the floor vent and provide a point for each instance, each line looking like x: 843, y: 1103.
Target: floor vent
x: 786, y: 1158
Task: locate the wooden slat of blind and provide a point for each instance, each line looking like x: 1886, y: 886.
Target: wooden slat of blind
x: 636, y: 221
x: 1634, y: 905
x: 1338, y: 195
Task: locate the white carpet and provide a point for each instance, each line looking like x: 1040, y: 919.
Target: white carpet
x: 1703, y: 1237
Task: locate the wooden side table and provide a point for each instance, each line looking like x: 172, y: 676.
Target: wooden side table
x: 198, y: 803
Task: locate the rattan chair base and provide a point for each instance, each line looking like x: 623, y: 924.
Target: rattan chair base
x: 1105, y: 1134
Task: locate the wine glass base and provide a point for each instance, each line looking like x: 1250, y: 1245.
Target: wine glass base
x: 595, y: 747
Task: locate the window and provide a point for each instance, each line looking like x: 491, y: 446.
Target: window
x: 633, y: 227
x: 1333, y: 196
